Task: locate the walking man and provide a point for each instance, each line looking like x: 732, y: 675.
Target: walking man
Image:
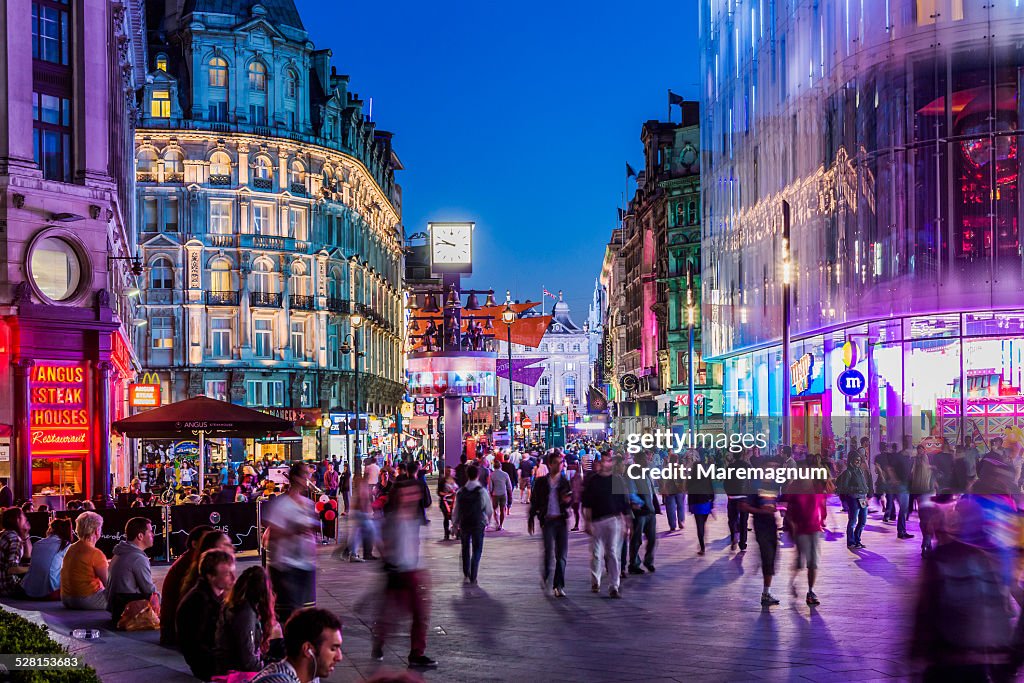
x: 472, y: 511
x: 645, y: 508
x: 805, y: 518
x: 604, y: 510
x: 500, y: 488
x: 549, y: 502
x: 766, y: 532
x: 292, y: 522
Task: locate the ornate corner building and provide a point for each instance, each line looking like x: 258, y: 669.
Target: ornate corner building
x: 268, y: 214
x: 70, y: 71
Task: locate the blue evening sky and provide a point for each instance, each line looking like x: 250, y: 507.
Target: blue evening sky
x: 519, y: 116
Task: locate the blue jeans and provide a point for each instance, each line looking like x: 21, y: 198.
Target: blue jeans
x: 675, y: 506
x: 470, y: 565
x: 903, y: 500
x: 556, y: 549
x: 855, y: 524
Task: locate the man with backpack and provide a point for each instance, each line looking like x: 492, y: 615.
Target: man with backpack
x: 472, y: 512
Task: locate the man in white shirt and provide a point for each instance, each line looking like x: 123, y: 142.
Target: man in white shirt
x: 371, y: 471
x: 292, y: 521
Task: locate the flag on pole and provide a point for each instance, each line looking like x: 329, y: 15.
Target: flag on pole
x: 630, y: 173
x: 547, y: 293
x: 675, y: 99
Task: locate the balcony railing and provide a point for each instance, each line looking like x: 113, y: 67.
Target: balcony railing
x: 250, y: 241
x: 221, y: 180
x: 268, y: 299
x: 222, y: 240
x: 174, y: 177
x: 263, y: 183
x: 298, y: 188
x: 301, y: 302
x: 159, y: 296
x: 222, y: 298
x: 268, y: 242
x: 144, y: 177
x: 336, y: 305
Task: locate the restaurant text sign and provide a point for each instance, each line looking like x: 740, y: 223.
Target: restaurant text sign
x: 59, y: 423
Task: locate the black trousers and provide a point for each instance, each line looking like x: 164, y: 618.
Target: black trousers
x: 702, y: 521
x: 737, y: 522
x: 644, y: 526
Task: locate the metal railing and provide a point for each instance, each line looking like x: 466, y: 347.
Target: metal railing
x: 222, y: 298
x: 220, y: 179
x: 337, y: 305
x: 301, y: 302
x: 263, y: 183
x: 268, y: 299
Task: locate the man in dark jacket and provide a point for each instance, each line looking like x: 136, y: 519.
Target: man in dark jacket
x: 130, y: 574
x: 549, y: 502
x: 460, y: 471
x: 200, y: 609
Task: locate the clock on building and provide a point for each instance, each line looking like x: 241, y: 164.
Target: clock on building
x: 451, y: 247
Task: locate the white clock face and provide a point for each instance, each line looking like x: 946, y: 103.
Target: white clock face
x: 451, y: 244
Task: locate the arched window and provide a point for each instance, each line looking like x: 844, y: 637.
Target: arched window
x: 147, y: 161
x: 291, y: 86
x: 328, y: 179
x: 262, y: 169
x: 297, y: 175
x: 220, y: 276
x: 257, y: 77
x: 291, y: 98
x: 333, y: 285
x: 174, y: 164
x: 218, y: 95
x: 220, y: 164
x: 545, y: 389
x: 161, y: 274
x: 258, y: 94
x: 219, y: 73
x: 263, y: 277
x: 301, y: 280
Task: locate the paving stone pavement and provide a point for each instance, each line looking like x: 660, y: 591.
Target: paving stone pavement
x: 697, y: 619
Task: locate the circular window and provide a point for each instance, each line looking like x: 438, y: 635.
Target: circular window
x: 56, y: 268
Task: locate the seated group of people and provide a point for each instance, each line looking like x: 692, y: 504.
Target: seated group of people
x: 75, y: 572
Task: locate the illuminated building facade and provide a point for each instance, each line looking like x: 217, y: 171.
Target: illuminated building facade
x: 892, y: 131
x: 268, y: 214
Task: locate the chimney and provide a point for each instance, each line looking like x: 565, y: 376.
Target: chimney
x: 322, y: 68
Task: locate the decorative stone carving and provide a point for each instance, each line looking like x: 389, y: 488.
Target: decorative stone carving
x: 18, y: 200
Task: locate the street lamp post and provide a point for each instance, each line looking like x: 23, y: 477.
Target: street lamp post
x: 690, y: 320
x: 787, y: 276
x: 508, y: 316
x: 356, y: 320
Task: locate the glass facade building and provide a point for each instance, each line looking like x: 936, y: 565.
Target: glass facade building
x: 892, y: 129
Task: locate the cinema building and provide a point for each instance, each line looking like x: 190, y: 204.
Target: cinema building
x: 894, y: 137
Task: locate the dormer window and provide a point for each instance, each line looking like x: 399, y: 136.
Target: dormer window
x: 160, y: 105
x: 161, y: 63
x: 218, y: 73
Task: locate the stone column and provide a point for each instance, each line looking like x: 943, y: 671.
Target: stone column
x: 21, y: 461
x: 101, y: 421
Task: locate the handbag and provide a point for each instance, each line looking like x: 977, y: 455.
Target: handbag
x: 141, y: 615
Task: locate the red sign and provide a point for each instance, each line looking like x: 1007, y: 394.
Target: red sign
x: 121, y: 355
x: 144, y: 395
x: 59, y: 422
x: 527, y: 423
x: 302, y: 417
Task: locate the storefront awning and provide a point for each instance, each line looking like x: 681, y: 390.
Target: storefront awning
x: 214, y: 418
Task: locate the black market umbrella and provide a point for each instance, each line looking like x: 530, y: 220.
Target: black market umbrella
x: 202, y: 416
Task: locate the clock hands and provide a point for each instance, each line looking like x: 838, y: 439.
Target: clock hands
x: 445, y: 242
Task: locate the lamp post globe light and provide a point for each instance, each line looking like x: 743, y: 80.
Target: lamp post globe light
x: 351, y: 345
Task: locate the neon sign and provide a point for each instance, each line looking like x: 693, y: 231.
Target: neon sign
x: 801, y: 371
x: 59, y: 422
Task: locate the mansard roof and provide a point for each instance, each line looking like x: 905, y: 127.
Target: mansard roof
x: 278, y: 12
